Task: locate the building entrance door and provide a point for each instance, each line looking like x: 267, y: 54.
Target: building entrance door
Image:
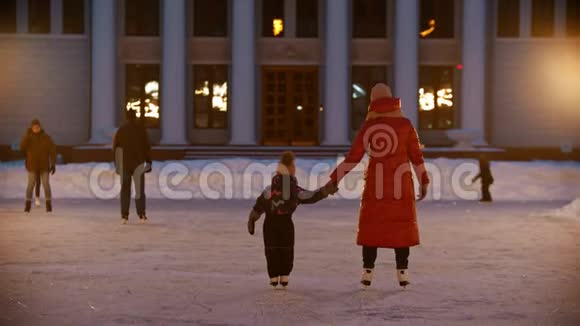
x: 290, y: 106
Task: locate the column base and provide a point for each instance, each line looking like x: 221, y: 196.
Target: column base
x: 466, y: 138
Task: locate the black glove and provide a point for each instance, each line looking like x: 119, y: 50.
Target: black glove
x: 254, y: 216
x: 52, y: 170
x: 329, y: 189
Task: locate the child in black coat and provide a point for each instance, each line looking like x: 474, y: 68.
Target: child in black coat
x: 486, y: 179
x: 279, y: 201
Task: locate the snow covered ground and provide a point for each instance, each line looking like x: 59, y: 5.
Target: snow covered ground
x: 240, y: 178
x: 507, y: 263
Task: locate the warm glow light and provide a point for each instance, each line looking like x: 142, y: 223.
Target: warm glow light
x: 204, y: 90
x: 428, y: 30
x: 151, y: 87
x: 135, y: 106
x: 426, y: 100
x: 299, y: 108
x: 444, y: 97
x: 277, y: 26
x: 219, y: 99
x: 152, y: 111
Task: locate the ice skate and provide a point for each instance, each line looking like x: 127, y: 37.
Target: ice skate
x: 367, y: 277
x: 48, y: 206
x: 143, y: 219
x: 124, y: 220
x: 284, y: 280
x: 27, y: 206
x: 37, y: 202
x: 274, y: 281
x: 403, y: 277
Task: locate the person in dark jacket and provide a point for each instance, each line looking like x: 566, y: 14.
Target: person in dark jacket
x: 40, y: 154
x: 132, y: 160
x: 486, y: 179
x: 279, y: 201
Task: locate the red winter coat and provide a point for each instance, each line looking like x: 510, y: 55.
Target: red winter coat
x: 387, y: 217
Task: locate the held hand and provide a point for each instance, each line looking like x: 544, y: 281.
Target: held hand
x: 254, y: 216
x: 52, y: 170
x: 330, y: 188
x: 423, y: 194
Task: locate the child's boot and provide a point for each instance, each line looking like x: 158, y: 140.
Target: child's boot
x: 37, y: 202
x: 367, y: 277
x: 274, y: 281
x: 403, y: 277
x: 27, y: 206
x: 48, y: 206
x: 284, y: 280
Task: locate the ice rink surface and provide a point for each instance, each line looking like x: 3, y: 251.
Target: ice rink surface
x: 508, y: 263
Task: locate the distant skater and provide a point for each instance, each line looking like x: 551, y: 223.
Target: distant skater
x: 40, y: 160
x: 486, y: 179
x: 279, y: 201
x: 387, y: 217
x: 132, y: 160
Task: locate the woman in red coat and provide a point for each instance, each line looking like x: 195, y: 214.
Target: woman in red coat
x: 387, y: 212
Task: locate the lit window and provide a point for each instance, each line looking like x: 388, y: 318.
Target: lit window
x: 273, y: 18
x: 210, y: 104
x: 437, y: 18
x: 436, y: 97
x: 142, y: 92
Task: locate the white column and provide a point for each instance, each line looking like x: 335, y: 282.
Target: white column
x: 103, y: 67
x: 56, y: 16
x: 22, y: 16
x: 473, y: 73
x: 525, y: 18
x: 406, y: 57
x: 173, y: 73
x: 560, y: 18
x: 337, y: 90
x: 243, y: 104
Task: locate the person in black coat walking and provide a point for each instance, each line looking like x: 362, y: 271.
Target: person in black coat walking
x: 486, y: 179
x: 40, y: 159
x: 279, y: 201
x: 132, y: 160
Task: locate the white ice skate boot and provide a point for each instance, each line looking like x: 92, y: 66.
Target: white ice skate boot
x: 284, y: 280
x: 367, y: 277
x: 403, y: 277
x: 274, y: 281
x: 37, y: 202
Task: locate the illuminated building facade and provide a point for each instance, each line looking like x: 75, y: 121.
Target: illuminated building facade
x: 290, y: 72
